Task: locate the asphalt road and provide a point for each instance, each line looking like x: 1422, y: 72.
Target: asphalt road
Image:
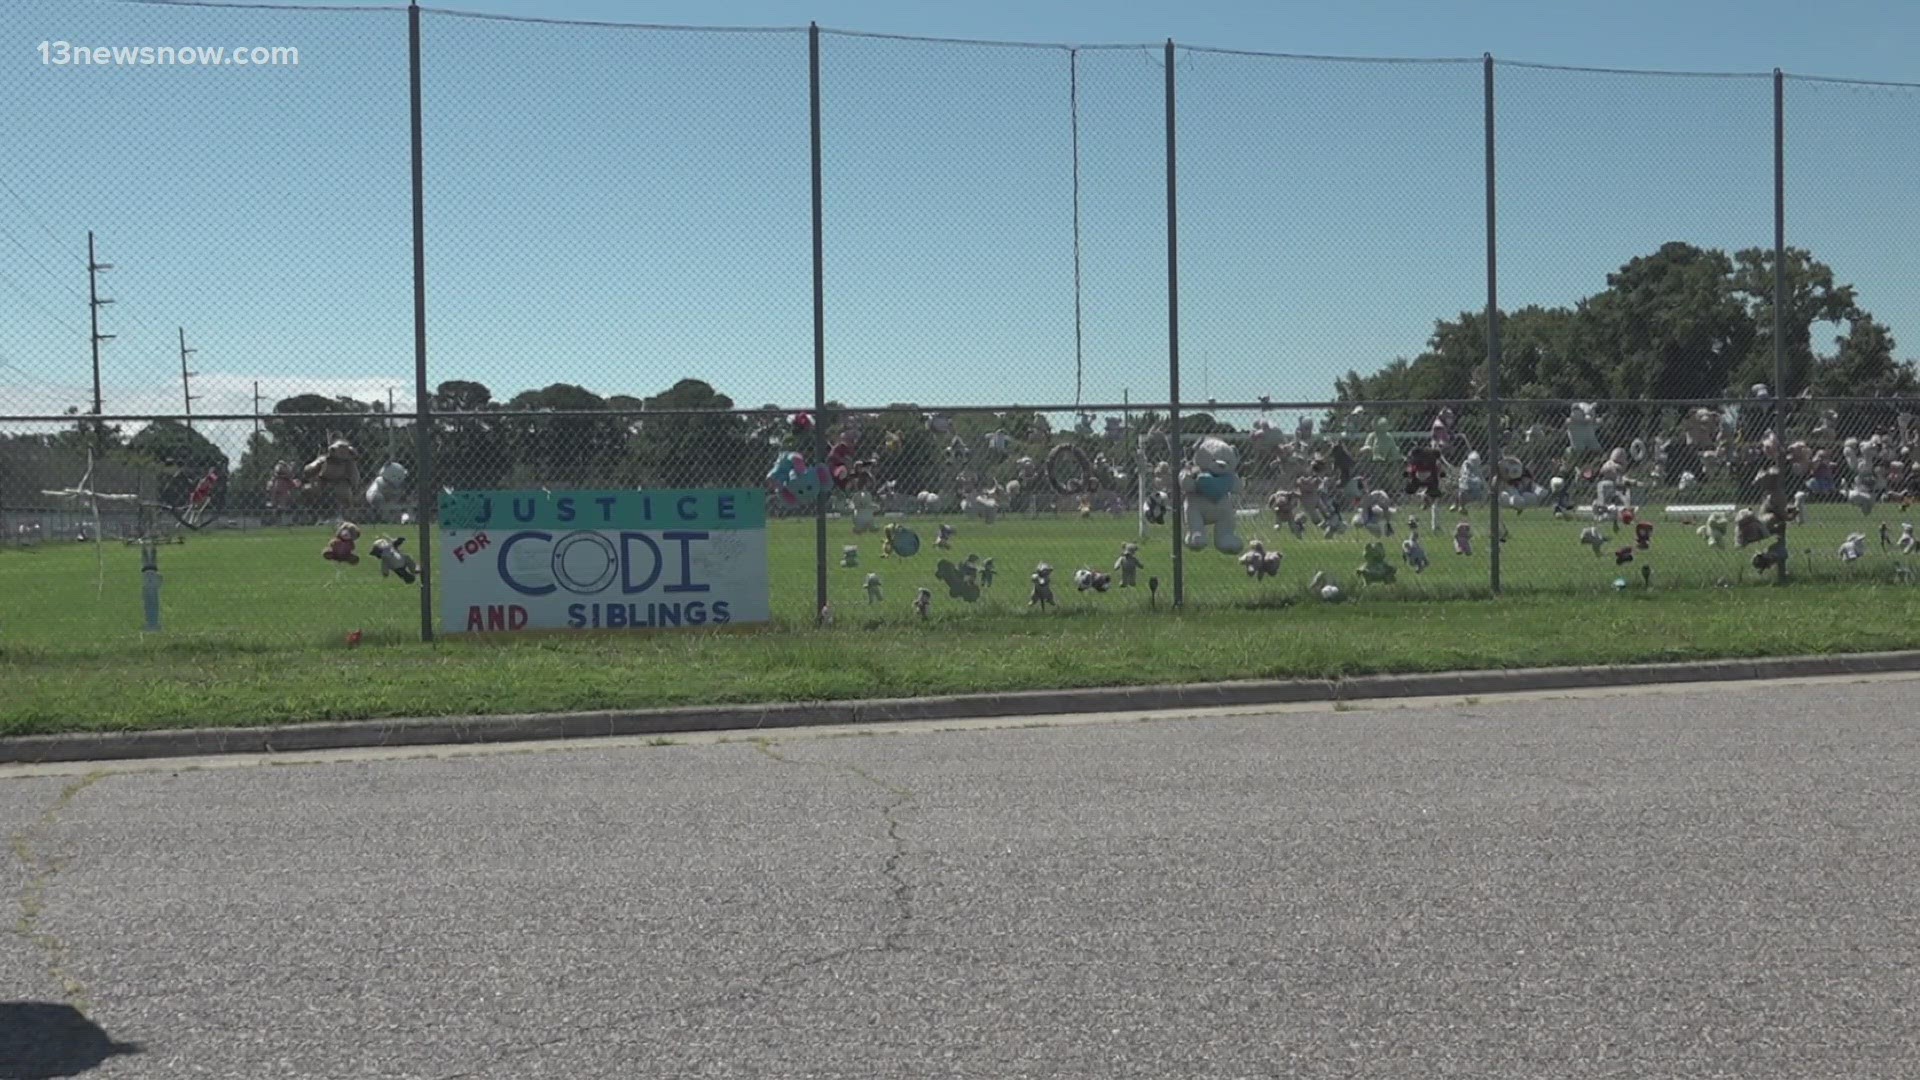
x: 1714, y: 883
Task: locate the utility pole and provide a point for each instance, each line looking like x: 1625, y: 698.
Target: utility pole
x: 94, y: 304
x: 256, y: 406
x: 186, y: 377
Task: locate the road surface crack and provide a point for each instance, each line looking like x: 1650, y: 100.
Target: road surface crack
x: 42, y: 867
x: 900, y: 893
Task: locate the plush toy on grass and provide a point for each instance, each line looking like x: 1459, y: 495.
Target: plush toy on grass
x: 1259, y: 562
x: 970, y: 569
x: 986, y: 573
x: 1415, y: 553
x: 1643, y: 535
x: 1715, y: 530
x: 1861, y: 495
x: 1210, y: 485
x: 340, y: 548
x: 850, y: 556
x: 863, y: 511
x: 922, y: 601
x: 1886, y: 537
x: 393, y: 560
x: 1907, y: 541
x: 1086, y: 578
x: 1463, y: 539
x: 873, y: 589
x: 1325, y: 587
x: 1623, y: 556
x: 1042, y: 594
x: 1375, y: 514
x: 961, y: 584
x: 1593, y: 538
x: 1854, y: 547
x: 1377, y: 570
x: 943, y: 538
x: 1128, y: 565
x: 897, y: 539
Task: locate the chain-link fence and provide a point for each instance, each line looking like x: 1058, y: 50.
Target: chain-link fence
x: 1186, y: 325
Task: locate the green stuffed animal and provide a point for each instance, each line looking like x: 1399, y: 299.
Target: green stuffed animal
x: 1377, y: 570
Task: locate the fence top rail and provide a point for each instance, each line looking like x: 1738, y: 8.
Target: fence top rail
x: 540, y: 20
x: 1188, y: 407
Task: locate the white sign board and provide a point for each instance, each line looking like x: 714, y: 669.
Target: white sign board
x: 601, y: 560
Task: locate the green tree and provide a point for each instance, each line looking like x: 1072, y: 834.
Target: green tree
x: 183, y: 455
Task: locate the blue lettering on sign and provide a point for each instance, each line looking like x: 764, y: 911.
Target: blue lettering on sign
x: 588, y: 563
x: 566, y: 508
x: 685, y: 540
x: 526, y: 512
x: 506, y: 575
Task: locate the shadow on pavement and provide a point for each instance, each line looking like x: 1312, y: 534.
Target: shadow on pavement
x: 40, y: 1040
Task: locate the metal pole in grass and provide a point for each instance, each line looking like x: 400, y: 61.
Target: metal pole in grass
x: 1493, y: 346
x: 1173, y: 346
x: 422, y: 408
x: 1780, y: 290
x: 819, y: 333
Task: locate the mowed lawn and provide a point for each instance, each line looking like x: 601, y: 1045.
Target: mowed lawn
x: 256, y: 623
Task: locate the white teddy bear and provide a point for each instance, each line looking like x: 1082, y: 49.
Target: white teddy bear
x: 1211, y: 484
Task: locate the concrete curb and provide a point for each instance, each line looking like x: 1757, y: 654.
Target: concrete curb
x: 457, y: 730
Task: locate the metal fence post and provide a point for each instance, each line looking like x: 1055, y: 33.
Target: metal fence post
x: 1493, y: 347
x: 1780, y: 295
x: 1173, y: 349
x: 819, y: 334
x: 424, y: 486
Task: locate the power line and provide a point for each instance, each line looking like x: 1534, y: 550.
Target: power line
x: 36, y: 217
x: 23, y: 294
x: 28, y: 252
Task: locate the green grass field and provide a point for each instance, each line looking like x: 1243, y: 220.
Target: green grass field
x: 255, y: 623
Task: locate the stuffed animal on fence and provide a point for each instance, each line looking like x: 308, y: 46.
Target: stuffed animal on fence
x: 1042, y: 594
x: 1854, y: 547
x: 1861, y: 495
x: 1259, y: 562
x: 1210, y: 485
x: 1463, y: 539
x: 1593, y: 538
x: 1375, y: 514
x: 1128, y: 565
x: 1284, y: 505
x: 1583, y: 428
x: 1471, y: 482
x: 340, y: 548
x: 873, y: 589
x: 1715, y: 530
x: 1380, y: 445
x: 1747, y: 528
x: 283, y: 486
x: 1086, y: 578
x: 1414, y: 553
x: 1423, y: 471
x: 335, y: 473
x: 1376, y: 569
x: 1440, y: 433
x: 387, y: 485
x: 393, y: 560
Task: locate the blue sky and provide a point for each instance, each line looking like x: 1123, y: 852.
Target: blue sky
x: 619, y: 208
